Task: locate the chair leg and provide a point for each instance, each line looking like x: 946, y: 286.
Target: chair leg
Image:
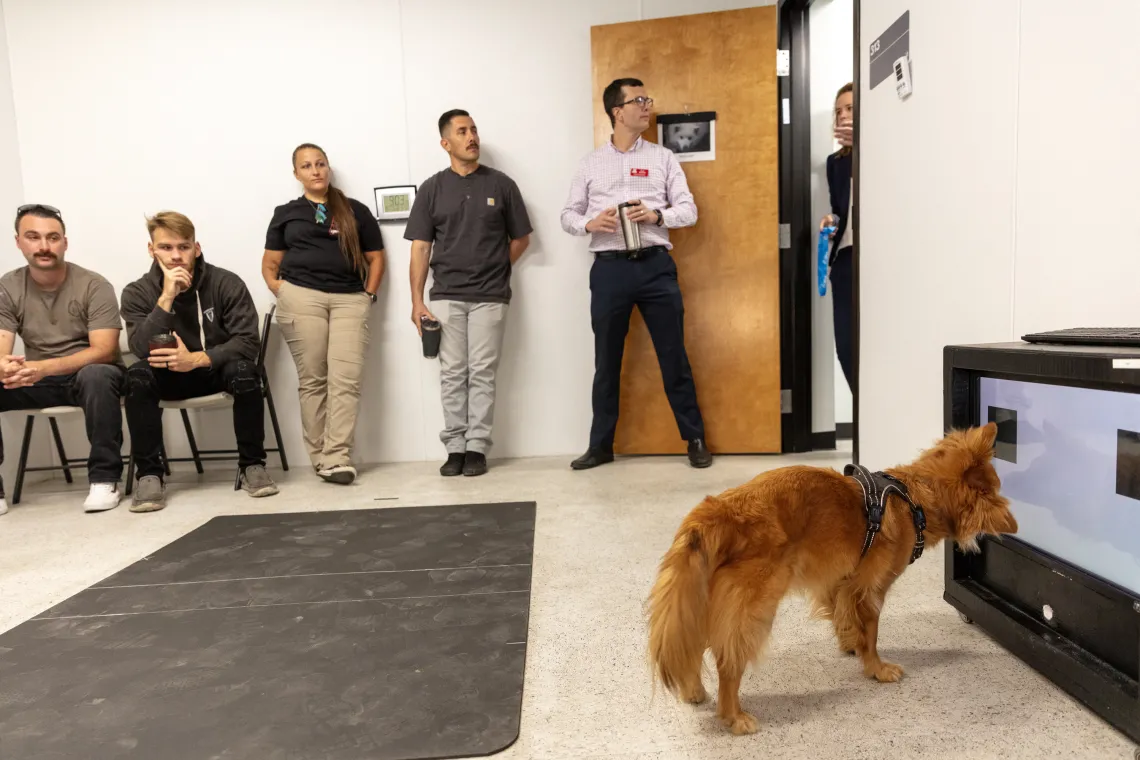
x: 165, y: 460
x: 237, y: 479
x: 130, y: 474
x: 193, y: 443
x: 276, y: 428
x: 28, y: 427
x: 59, y: 447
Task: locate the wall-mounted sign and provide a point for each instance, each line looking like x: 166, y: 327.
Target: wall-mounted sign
x: 892, y: 45
x: 692, y: 136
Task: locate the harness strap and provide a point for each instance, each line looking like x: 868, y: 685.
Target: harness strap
x: 877, y: 487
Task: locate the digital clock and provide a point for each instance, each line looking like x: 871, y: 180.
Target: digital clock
x: 394, y: 202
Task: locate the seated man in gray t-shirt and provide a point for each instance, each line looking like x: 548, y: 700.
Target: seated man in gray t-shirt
x: 68, y: 318
x: 469, y: 223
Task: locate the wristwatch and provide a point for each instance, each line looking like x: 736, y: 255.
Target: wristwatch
x: 372, y: 296
x: 660, y: 217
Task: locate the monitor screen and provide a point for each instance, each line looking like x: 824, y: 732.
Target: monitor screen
x: 1069, y: 461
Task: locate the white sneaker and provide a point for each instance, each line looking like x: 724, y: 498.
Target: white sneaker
x: 103, y: 496
x: 3, y: 505
x: 342, y: 474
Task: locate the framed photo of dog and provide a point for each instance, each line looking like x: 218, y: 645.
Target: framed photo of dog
x: 692, y: 136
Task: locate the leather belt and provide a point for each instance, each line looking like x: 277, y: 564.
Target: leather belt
x: 638, y: 255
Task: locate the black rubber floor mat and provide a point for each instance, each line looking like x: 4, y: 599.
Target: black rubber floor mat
x: 386, y: 634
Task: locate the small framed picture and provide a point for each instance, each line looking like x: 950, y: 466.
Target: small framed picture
x: 394, y: 202
x: 692, y: 136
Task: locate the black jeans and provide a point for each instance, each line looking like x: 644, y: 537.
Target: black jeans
x: 616, y: 286
x: 98, y: 388
x: 147, y: 385
x: 842, y: 298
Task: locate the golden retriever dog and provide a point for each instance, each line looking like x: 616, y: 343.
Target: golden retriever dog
x: 738, y: 554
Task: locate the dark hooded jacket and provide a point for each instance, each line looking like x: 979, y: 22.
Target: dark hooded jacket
x: 229, y: 317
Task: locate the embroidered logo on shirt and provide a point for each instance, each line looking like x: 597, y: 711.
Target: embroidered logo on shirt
x: 209, y: 313
x: 490, y: 201
x: 639, y: 172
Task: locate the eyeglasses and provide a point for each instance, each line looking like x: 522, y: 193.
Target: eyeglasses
x: 641, y: 100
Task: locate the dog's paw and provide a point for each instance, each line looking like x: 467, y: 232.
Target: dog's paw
x: 695, y: 696
x: 742, y: 723
x: 885, y: 672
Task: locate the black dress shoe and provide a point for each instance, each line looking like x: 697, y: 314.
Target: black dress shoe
x: 474, y: 463
x: 699, y: 454
x: 592, y: 458
x: 453, y: 466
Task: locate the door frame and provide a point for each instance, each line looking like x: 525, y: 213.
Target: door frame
x: 797, y: 257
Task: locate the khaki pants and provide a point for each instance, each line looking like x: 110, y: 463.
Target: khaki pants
x: 327, y: 333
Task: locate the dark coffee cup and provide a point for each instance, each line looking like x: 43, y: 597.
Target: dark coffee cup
x: 430, y: 331
x: 162, y: 340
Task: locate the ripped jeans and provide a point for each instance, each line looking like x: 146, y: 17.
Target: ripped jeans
x: 147, y: 385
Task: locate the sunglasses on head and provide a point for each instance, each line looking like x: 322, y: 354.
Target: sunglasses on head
x: 29, y: 207
x: 38, y: 209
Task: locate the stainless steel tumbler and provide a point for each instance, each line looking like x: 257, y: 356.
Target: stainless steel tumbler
x: 630, y: 231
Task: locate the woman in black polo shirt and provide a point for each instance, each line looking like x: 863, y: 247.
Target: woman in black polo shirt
x: 324, y: 258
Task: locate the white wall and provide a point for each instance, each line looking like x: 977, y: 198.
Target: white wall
x: 832, y: 25
x: 11, y: 196
x: 936, y: 212
x: 995, y: 201
x: 131, y: 106
x: 1076, y: 261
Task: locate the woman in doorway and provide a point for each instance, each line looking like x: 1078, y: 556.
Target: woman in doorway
x: 324, y: 258
x: 842, y: 247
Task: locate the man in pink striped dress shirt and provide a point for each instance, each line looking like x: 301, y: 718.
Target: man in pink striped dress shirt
x: 630, y: 169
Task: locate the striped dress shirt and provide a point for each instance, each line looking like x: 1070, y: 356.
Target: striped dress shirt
x: 607, y: 177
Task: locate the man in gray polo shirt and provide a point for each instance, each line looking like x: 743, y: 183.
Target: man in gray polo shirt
x: 469, y: 223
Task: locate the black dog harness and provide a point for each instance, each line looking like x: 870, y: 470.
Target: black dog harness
x: 877, y: 486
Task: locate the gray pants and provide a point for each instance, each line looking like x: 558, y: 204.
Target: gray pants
x: 469, y: 349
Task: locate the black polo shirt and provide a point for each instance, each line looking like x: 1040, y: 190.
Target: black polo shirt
x: 471, y: 220
x: 313, y: 258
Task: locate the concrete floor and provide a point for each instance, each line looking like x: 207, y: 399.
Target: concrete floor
x: 588, y: 695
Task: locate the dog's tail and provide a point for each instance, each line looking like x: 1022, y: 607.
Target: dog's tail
x: 678, y: 604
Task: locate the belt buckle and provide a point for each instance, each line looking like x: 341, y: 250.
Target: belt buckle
x: 637, y: 255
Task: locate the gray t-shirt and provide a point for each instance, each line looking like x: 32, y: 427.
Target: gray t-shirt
x: 56, y: 324
x: 471, y: 220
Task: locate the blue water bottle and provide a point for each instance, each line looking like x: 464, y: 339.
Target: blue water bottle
x: 821, y: 254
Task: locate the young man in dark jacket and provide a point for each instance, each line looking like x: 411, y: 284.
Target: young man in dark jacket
x: 213, y: 321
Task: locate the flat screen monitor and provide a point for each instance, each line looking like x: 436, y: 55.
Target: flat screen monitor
x: 1069, y: 461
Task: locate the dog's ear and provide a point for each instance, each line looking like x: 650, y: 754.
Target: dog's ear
x: 981, y: 477
x: 980, y: 440
x: 979, y: 474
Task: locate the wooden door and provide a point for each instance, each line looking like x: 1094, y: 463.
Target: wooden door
x: 728, y: 263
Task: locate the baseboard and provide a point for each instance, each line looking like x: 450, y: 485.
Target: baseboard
x: 845, y: 431
x: 823, y: 441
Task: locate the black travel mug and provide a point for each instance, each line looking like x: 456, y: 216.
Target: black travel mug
x: 430, y: 332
